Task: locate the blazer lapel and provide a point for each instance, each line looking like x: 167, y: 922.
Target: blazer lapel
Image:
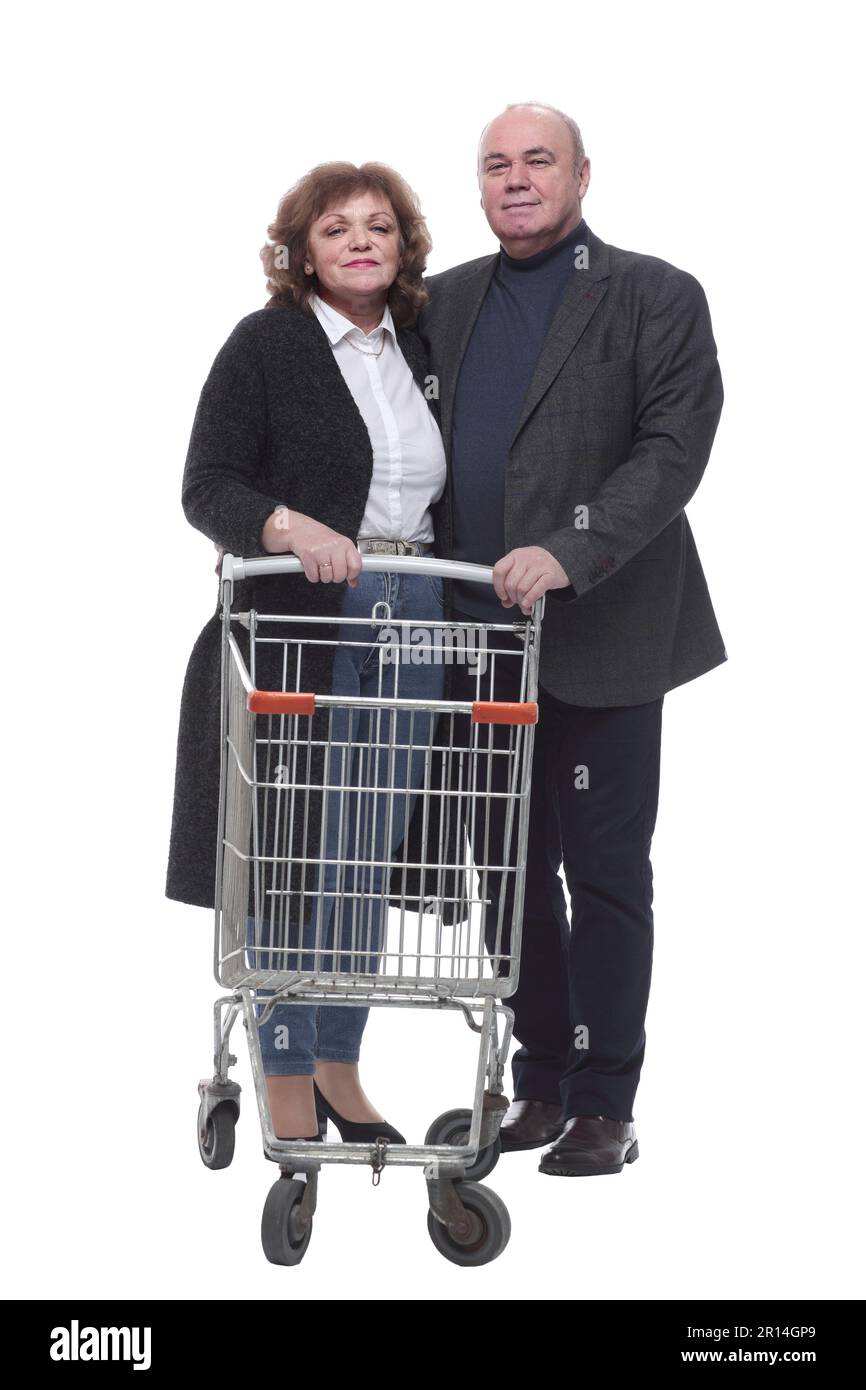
x: 582, y: 297
x: 466, y: 306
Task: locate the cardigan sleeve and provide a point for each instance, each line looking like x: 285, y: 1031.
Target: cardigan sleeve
x: 221, y: 493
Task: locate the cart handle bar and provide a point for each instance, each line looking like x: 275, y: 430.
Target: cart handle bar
x: 304, y: 702
x: 235, y: 568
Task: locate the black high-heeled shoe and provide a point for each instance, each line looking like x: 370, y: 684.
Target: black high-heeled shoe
x: 351, y: 1132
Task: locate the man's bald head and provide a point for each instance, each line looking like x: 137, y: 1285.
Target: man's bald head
x: 568, y: 121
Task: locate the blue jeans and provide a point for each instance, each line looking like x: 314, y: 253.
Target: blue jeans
x: 355, y: 823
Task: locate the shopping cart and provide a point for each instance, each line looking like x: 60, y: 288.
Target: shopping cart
x: 450, y: 929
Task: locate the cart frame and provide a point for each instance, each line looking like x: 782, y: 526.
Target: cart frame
x: 449, y: 1168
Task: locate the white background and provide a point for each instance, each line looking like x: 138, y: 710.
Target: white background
x: 148, y: 148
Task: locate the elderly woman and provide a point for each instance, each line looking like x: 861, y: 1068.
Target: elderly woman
x: 314, y: 436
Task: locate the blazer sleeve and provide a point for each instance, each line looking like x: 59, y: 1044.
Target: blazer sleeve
x: 678, y: 403
x: 222, y: 493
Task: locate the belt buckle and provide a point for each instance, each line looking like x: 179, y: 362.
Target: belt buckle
x: 383, y: 547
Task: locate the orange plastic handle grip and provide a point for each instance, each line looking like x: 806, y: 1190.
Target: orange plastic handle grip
x: 504, y: 712
x: 280, y: 702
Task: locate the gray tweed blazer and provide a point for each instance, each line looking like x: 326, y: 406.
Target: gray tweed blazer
x: 618, y: 422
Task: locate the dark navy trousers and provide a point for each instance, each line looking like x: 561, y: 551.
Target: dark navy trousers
x: 583, y: 988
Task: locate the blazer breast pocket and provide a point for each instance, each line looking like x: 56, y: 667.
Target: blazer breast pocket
x: 593, y: 371
x: 595, y: 402
x: 593, y: 386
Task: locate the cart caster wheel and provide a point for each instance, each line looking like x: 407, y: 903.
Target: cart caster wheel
x: 453, y: 1128
x: 284, y: 1240
x: 484, y: 1233
x: 217, y: 1144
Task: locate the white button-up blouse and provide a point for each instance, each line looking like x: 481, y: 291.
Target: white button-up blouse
x: 408, y: 456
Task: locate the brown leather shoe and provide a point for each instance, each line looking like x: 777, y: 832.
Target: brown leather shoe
x: 591, y: 1144
x: 530, y: 1124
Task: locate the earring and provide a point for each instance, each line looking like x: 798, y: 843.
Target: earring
x: 308, y: 269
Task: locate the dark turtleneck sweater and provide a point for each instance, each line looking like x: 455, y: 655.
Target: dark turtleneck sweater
x: 500, y: 359
x: 495, y: 375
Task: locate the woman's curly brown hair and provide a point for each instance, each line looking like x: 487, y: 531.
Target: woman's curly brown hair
x: 284, y: 255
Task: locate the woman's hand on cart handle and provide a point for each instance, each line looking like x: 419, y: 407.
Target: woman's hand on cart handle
x: 326, y: 556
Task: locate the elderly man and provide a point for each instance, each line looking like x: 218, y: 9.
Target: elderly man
x: 580, y: 395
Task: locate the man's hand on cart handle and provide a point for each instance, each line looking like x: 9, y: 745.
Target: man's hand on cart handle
x: 523, y: 575
x: 327, y: 557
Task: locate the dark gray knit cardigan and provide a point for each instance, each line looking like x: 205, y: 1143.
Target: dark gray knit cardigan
x: 276, y: 424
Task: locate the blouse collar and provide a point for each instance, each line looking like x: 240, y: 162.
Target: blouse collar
x: 337, y: 326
